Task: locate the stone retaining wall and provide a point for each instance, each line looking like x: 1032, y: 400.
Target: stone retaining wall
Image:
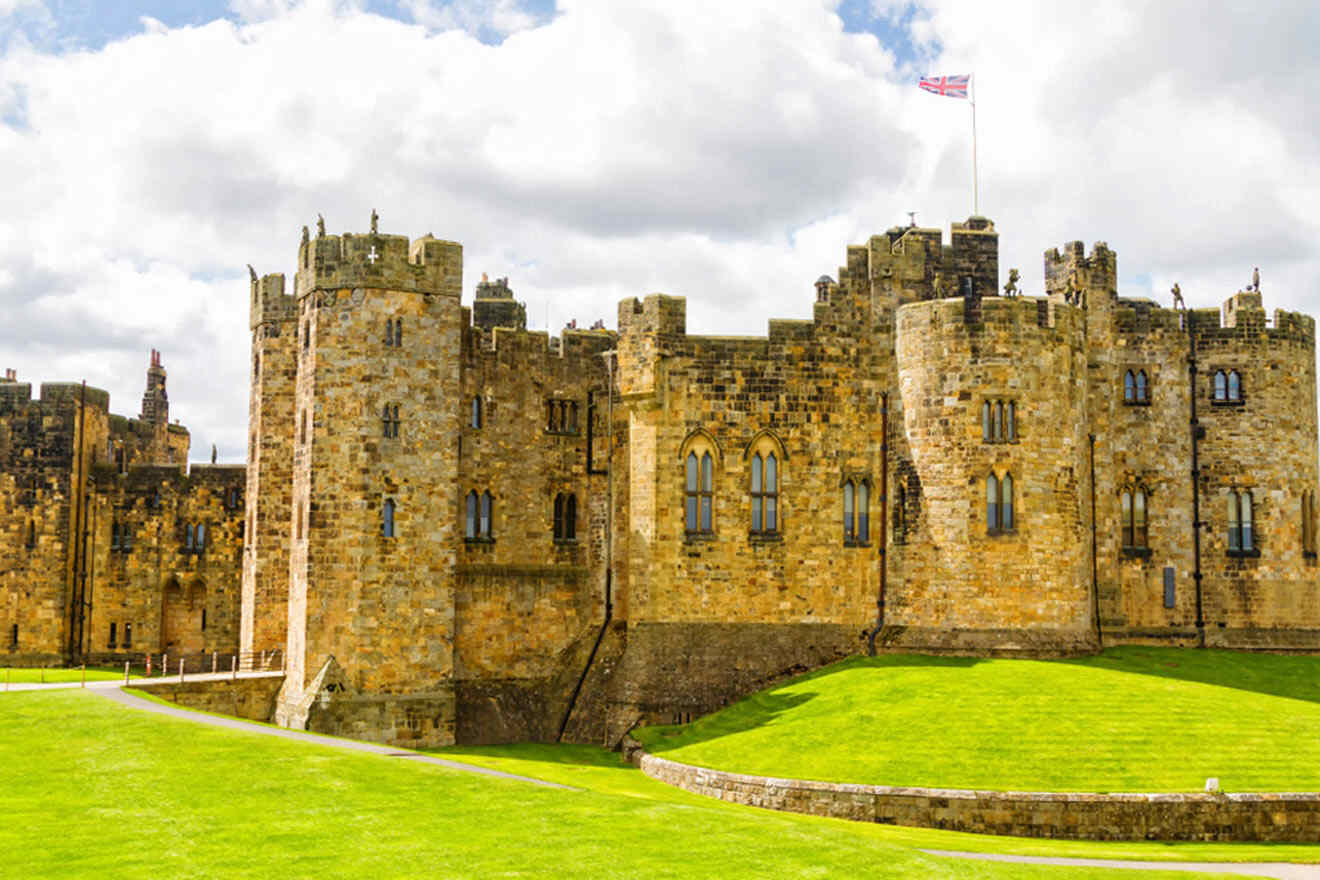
x: 1084, y: 816
x: 252, y: 698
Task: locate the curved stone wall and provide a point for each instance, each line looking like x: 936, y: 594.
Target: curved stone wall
x: 1080, y: 816
x: 957, y: 582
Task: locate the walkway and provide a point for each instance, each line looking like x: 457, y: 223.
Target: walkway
x: 111, y: 691
x: 117, y: 682
x: 1280, y: 870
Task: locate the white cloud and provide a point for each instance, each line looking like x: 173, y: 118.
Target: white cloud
x: 724, y: 151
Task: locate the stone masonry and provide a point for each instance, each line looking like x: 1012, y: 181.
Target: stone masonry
x: 492, y: 534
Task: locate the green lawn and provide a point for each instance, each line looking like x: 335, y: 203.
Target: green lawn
x: 92, y: 789
x: 26, y: 675
x: 1131, y: 719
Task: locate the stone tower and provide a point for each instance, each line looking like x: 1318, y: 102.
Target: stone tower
x: 376, y: 518
x: 263, y: 626
x: 155, y: 402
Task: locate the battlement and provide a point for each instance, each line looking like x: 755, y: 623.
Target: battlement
x: 1024, y: 314
x: 658, y: 315
x: 917, y: 264
x: 1070, y: 272
x: 65, y: 394
x: 331, y: 262
x: 270, y: 304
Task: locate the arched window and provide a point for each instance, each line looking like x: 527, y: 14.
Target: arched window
x: 849, y: 516
x: 1129, y: 387
x: 201, y: 537
x: 470, y: 527
x: 699, y: 493
x: 863, y: 512
x: 1006, y: 503
x: 398, y: 331
x: 1241, y: 530
x: 992, y: 504
x: 394, y: 332
x: 188, y: 536
x: 387, y: 518
x: 476, y: 411
x: 1142, y: 396
x: 1132, y: 509
x: 1010, y: 422
x: 1221, y: 385
x: 987, y: 433
x: 998, y: 421
x: 1234, y: 385
x: 565, y: 517
x: 765, y: 494
x: 484, y: 523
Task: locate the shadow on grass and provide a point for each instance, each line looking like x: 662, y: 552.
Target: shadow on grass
x: 1293, y: 676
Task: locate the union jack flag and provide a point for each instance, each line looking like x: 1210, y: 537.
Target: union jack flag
x: 948, y: 86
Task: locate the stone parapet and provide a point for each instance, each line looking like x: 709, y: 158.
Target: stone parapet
x: 1273, y: 817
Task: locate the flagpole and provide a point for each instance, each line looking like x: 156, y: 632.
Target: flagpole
x: 976, y: 185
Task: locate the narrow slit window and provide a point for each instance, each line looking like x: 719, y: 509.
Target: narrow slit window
x: 1129, y: 387
x: 991, y: 504
x: 986, y: 434
x: 1142, y: 396
x: 476, y: 411
x: 487, y: 503
x: 1234, y: 385
x: 863, y: 512
x: 1234, y: 523
x: 691, y: 493
x: 470, y: 526
x: 559, y: 517
x: 1125, y: 506
x: 1139, y: 534
x: 387, y: 518
x: 570, y: 518
x: 1006, y: 503
x: 848, y: 514
x: 707, y: 492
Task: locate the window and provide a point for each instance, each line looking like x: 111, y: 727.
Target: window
x: 201, y: 537
x: 1132, y: 504
x: 387, y: 519
x: 1241, y: 531
x: 1134, y: 387
x: 111, y: 644
x: 478, y: 520
x: 765, y: 494
x: 1308, y: 523
x: 698, y: 493
x: 565, y: 517
x: 32, y: 535
x: 128, y: 635
x: 856, y: 512
x: 561, y: 416
x: 232, y: 498
x: 1228, y: 386
x: 998, y: 421
x: 394, y: 332
x: 302, y: 428
x: 999, y: 504
x: 203, y: 620
x: 476, y: 411
x: 256, y: 366
x: 13, y: 636
x: 390, y: 421
x: 114, y: 536
x: 188, y: 536
x: 306, y: 335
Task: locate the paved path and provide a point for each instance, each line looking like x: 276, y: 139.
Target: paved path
x: 1280, y: 870
x: 114, y: 693
x: 117, y: 682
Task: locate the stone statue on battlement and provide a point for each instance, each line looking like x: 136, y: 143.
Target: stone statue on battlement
x: 1011, y: 288
x: 1178, y: 303
x: 306, y: 237
x: 375, y: 222
x: 252, y: 272
x: 320, y: 226
x: 1255, y: 279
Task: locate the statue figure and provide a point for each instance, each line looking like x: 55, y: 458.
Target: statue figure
x: 213, y: 453
x: 1071, y: 293
x: 306, y: 237
x: 375, y: 218
x: 320, y: 226
x: 1178, y: 303
x: 252, y: 272
x: 1255, y: 279
x: 1011, y: 288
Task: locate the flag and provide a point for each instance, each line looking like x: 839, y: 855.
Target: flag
x: 948, y: 86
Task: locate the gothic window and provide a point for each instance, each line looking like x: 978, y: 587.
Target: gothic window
x: 1132, y: 509
x: 479, y: 512
x: 188, y: 536
x: 1135, y: 387
x: 765, y: 494
x: 1308, y: 523
x: 387, y: 519
x: 394, y: 332
x: 998, y: 421
x: 470, y: 524
x: 476, y: 411
x: 201, y: 537
x: 1142, y: 396
x: 565, y: 517
x: 1228, y: 386
x: 999, y: 516
x: 390, y: 421
x: 1241, y: 523
x: 128, y: 635
x: 699, y: 493
x: 113, y: 641
x: 483, y: 524
x: 856, y: 512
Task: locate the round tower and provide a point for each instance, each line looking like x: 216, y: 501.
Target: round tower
x: 993, y: 402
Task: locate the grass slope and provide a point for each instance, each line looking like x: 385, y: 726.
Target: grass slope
x: 27, y: 675
x: 1131, y: 719
x: 91, y: 789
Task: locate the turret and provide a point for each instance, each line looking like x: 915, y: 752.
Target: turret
x: 494, y: 306
x: 155, y: 402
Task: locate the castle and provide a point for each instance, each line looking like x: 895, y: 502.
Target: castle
x: 462, y: 530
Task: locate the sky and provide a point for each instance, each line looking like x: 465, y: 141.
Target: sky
x: 593, y: 150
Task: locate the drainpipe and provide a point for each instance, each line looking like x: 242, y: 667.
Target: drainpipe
x: 76, y: 498
x: 609, y: 542
x: 1197, y: 433
x: 884, y: 522
x: 1095, y: 571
